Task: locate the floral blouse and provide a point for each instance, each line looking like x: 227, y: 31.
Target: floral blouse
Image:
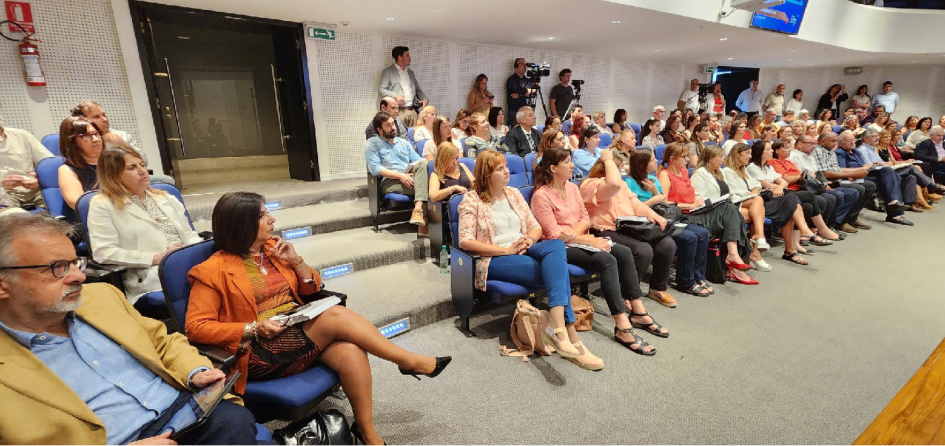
x: 475, y: 223
x: 167, y: 227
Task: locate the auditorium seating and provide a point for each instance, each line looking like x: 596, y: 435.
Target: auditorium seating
x: 410, y: 134
x: 288, y: 398
x: 836, y: 129
x: 658, y: 153
x: 47, y: 173
x: 529, y: 167
x: 379, y: 202
x: 419, y: 146
x: 517, y: 175
x: 605, y: 140
x: 51, y: 143
x: 463, y: 275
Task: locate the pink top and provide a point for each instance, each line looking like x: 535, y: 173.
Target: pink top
x: 680, y: 188
x: 555, y: 214
x: 604, y: 214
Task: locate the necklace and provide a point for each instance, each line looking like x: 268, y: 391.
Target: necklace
x: 259, y: 264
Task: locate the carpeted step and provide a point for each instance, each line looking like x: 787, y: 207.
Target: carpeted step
x: 200, y: 206
x: 363, y: 248
x: 325, y: 217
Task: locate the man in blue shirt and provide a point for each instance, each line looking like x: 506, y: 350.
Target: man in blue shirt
x: 888, y: 98
x: 887, y: 182
x: 404, y: 171
x: 78, y: 365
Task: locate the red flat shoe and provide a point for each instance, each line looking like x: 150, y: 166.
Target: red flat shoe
x: 731, y: 276
x: 738, y: 266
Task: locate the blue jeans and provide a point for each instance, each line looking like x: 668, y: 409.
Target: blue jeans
x: 692, y: 246
x: 846, y: 197
x: 545, y: 265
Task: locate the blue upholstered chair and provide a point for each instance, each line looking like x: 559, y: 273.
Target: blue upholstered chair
x: 379, y: 202
x: 517, y: 175
x: 658, y: 153
x: 636, y: 131
x: 47, y: 173
x: 438, y: 216
x: 284, y: 398
x: 410, y: 134
x: 836, y: 129
x: 463, y: 275
x: 51, y: 143
x: 529, y: 166
x: 419, y: 146
x: 541, y: 128
x: 605, y: 140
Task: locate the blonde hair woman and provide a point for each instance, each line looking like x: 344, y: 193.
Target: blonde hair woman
x: 424, y: 127
x: 449, y: 175
x: 481, y: 138
x: 133, y: 225
x: 480, y: 99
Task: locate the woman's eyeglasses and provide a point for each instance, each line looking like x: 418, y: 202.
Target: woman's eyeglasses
x: 88, y: 136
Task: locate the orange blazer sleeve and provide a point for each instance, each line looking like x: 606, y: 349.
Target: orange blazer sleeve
x: 209, y: 300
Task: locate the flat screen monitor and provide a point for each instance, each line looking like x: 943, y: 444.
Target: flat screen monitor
x: 785, y: 18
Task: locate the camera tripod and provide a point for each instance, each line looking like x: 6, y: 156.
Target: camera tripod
x: 574, y: 102
x: 531, y: 99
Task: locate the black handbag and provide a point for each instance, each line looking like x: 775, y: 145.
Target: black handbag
x: 816, y: 184
x: 672, y: 214
x: 325, y: 427
x: 644, y: 230
x: 714, y: 270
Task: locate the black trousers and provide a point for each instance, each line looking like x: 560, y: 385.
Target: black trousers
x: 660, y: 254
x: 866, y: 189
x: 618, y: 274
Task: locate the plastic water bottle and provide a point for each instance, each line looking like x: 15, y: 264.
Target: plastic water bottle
x: 444, y: 261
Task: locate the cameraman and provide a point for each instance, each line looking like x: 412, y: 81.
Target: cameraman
x: 517, y: 89
x: 690, y: 98
x: 399, y: 82
x: 562, y: 95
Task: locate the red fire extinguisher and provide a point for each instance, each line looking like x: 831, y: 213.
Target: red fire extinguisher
x: 33, y: 70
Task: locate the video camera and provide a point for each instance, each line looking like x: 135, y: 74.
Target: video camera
x: 577, y: 88
x: 706, y: 89
x: 536, y: 71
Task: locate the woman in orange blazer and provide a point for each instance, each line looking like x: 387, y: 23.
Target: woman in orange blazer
x: 255, y: 276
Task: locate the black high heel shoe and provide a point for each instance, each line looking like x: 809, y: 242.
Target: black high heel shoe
x: 359, y: 439
x: 441, y: 363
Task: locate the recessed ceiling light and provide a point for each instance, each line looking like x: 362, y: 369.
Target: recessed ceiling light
x: 615, y: 21
x: 915, y: 61
x: 729, y: 58
x: 790, y: 59
x: 657, y: 50
x: 724, y: 38
x: 391, y: 19
x: 551, y: 38
x: 810, y: 64
x: 792, y: 49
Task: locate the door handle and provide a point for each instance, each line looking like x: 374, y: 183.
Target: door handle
x: 170, y: 83
x: 275, y: 90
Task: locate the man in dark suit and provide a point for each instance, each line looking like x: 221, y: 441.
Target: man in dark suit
x: 524, y: 137
x: 932, y: 154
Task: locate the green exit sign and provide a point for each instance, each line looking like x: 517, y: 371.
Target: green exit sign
x: 320, y: 33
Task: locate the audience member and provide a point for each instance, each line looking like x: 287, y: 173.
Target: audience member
x: 691, y: 125
x: 787, y: 119
x: 133, y: 225
x: 580, y: 123
x: 804, y: 117
x: 774, y: 102
x: 717, y: 101
x: 553, y: 122
x: 587, y: 152
x: 518, y: 89
x: 853, y: 178
x: 7, y: 205
x: 888, y: 98
x: 389, y: 105
x: 697, y: 142
x: 496, y: 223
x: 620, y: 121
x: 600, y: 121
x: 768, y: 133
x: 497, y: 127
x: 815, y: 206
x: 481, y: 137
x: 524, y: 137
x: 786, y: 133
x: 443, y: 133
x: 921, y: 133
x: 113, y: 137
x: 61, y: 368
x: 689, y: 98
x: 794, y: 104
x: 551, y: 137
x: 650, y: 134
x: 673, y: 130
x: 832, y: 99
x: 877, y: 111
x: 691, y: 243
x: 80, y: 143
x: 561, y: 95
x: 931, y: 153
x: 739, y: 135
x: 723, y: 221
x: 558, y: 207
x: 253, y: 263
x: 449, y: 175
x: 846, y: 197
x: 424, y: 128
x: 576, y: 114
x: 769, y: 119
x: 888, y: 182
x: 826, y: 117
x: 404, y: 171
x: 399, y: 82
x: 852, y: 125
x: 715, y: 129
x: 862, y: 98
x: 658, y: 112
x: 20, y: 153
x: 879, y: 122
x: 480, y: 99
x: 461, y: 126
x: 749, y: 101
x: 874, y: 145
x: 911, y: 123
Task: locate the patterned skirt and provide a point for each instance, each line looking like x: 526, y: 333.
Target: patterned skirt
x: 290, y: 353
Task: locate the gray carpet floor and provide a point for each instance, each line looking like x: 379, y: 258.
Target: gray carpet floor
x: 809, y: 356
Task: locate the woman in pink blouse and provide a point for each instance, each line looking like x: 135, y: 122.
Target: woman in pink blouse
x: 495, y: 222
x: 559, y: 208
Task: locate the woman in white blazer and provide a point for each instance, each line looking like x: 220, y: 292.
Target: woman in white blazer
x: 133, y: 225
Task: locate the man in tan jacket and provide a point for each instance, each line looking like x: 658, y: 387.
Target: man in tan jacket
x: 78, y: 365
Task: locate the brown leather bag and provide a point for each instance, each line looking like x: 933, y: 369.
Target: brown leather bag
x: 528, y: 324
x: 583, y: 313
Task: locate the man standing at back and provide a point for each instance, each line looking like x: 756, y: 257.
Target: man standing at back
x: 775, y: 102
x: 523, y: 138
x: 562, y: 95
x: 20, y: 153
x: 887, y: 98
x: 399, y: 82
x: 690, y: 98
x: 749, y: 101
x: 517, y: 89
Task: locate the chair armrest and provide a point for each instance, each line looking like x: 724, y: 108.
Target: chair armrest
x: 107, y: 268
x: 324, y: 294
x: 219, y: 356
x: 206, y: 235
x: 463, y: 271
